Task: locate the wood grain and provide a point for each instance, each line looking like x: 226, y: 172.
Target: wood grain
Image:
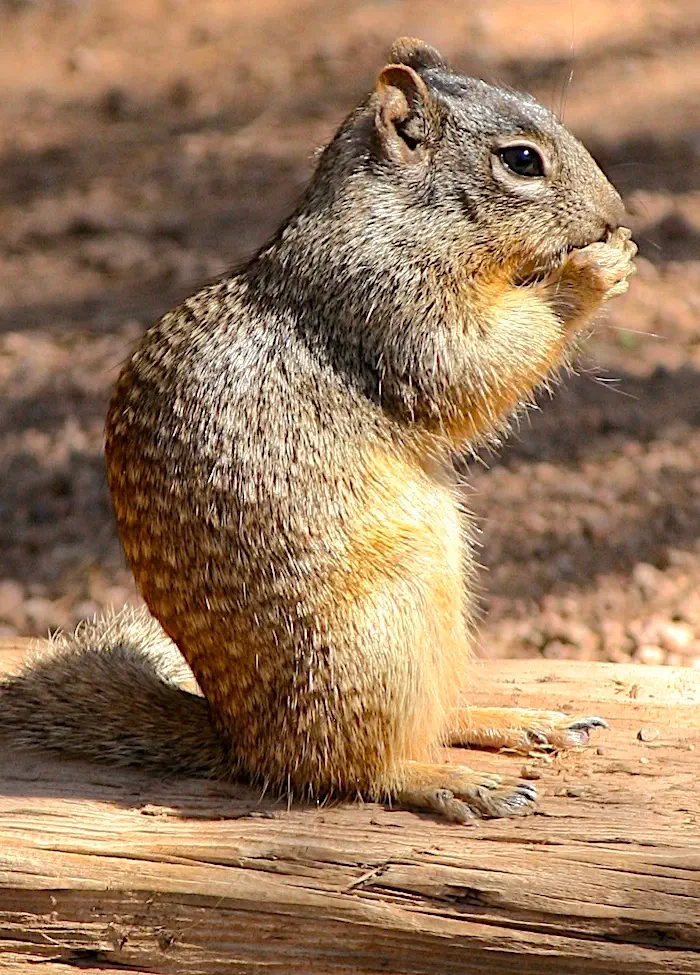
x: 110, y: 870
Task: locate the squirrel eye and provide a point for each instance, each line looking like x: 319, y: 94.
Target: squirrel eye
x: 523, y: 160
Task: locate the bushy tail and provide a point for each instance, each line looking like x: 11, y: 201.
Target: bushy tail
x: 107, y: 692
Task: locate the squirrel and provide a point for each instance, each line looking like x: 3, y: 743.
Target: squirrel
x: 279, y: 455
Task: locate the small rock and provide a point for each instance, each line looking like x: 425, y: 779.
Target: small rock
x: 569, y: 640
x: 557, y: 650
x: 115, y: 597
x: 649, y: 654
x: 181, y: 93
x: 564, y: 567
x: 613, y: 636
x: 11, y: 598
x: 647, y: 630
x: 81, y: 59
x: 618, y: 656
x: 676, y: 660
x: 648, y: 734
x: 115, y: 104
x: 648, y: 578
x: 676, y: 637
x: 689, y: 608
x: 597, y: 525
x: 41, y: 513
x: 86, y: 609
x: 579, y: 635
x: 40, y: 612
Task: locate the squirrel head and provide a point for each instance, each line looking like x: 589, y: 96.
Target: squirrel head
x: 438, y: 192
x: 480, y: 173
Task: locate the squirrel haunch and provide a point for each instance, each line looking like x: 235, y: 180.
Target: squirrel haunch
x: 278, y: 454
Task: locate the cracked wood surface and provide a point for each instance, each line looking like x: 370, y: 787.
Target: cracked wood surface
x: 110, y: 870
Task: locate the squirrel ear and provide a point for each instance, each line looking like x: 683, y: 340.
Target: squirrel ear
x: 405, y: 115
x: 416, y: 54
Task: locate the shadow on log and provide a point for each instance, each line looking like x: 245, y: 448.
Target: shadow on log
x: 111, y: 871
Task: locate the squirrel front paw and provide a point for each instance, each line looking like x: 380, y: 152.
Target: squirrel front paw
x: 605, y: 266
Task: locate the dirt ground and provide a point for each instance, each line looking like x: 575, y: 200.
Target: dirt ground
x: 147, y: 146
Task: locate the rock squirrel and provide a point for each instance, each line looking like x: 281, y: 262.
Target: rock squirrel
x: 279, y: 457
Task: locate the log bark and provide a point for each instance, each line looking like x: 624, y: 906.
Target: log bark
x: 112, y: 871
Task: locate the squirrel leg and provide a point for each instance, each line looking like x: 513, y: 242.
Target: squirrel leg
x: 462, y: 794
x: 521, y: 729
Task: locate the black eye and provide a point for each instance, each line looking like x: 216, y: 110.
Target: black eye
x: 522, y: 160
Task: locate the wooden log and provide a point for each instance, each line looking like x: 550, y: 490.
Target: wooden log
x: 111, y: 870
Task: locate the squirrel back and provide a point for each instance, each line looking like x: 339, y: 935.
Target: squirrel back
x: 278, y: 447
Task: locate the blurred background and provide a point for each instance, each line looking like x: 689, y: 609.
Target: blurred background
x: 147, y: 145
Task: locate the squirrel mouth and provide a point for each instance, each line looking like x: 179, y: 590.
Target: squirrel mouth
x: 534, y: 270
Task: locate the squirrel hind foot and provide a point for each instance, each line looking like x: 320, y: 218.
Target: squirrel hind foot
x: 463, y: 795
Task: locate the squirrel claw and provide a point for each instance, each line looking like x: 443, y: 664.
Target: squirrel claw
x: 586, y: 723
x: 574, y: 734
x: 557, y: 733
x: 519, y: 800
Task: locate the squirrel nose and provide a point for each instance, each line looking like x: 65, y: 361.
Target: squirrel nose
x: 607, y: 216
